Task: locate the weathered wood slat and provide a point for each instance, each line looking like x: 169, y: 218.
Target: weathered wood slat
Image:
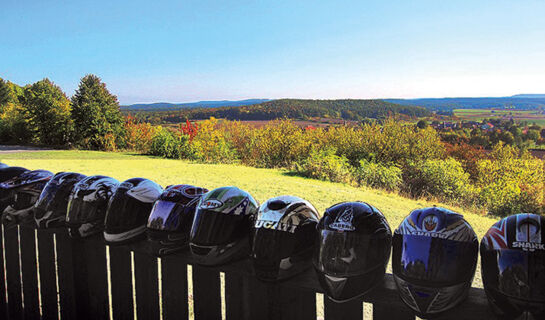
x: 343, y: 311
x: 97, y: 277
x: 174, y: 285
x: 147, y: 298
x: 121, y: 282
x: 29, y: 273
x: 3, y: 302
x: 48, y: 281
x: 65, y: 265
x: 81, y: 289
x: 234, y: 297
x: 206, y: 293
x: 11, y: 238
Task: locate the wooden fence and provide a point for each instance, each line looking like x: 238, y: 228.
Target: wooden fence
x: 52, y: 276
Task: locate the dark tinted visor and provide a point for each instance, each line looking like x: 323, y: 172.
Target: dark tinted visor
x: 214, y: 228
x: 426, y: 260
x: 80, y: 211
x: 171, y: 216
x: 272, y: 245
x: 47, y: 196
x: 522, y: 274
x: 125, y: 212
x: 350, y: 253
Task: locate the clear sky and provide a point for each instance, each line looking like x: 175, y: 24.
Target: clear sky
x: 176, y: 51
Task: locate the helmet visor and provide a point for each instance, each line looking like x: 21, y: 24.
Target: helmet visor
x: 171, y: 216
x: 80, y: 211
x: 522, y: 274
x: 47, y: 196
x: 216, y: 228
x: 350, y: 253
x: 125, y: 212
x: 422, y: 259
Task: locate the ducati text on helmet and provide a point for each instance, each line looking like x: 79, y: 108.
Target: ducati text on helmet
x: 129, y: 210
x: 283, y: 237
x: 434, y: 260
x: 6, y: 194
x: 222, y: 224
x: 354, y: 243
x: 87, y: 205
x: 50, y: 209
x: 513, y: 266
x: 171, y: 218
x: 25, y: 190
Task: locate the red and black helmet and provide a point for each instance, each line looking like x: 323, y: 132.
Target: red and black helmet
x: 513, y: 266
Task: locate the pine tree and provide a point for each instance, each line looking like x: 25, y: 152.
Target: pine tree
x: 95, y: 111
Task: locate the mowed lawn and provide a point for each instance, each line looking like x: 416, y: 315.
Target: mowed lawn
x: 261, y: 183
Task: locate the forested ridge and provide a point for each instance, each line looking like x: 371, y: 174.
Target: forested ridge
x: 349, y: 109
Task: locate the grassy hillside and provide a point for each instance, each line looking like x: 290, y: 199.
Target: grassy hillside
x: 261, y: 183
x: 523, y: 102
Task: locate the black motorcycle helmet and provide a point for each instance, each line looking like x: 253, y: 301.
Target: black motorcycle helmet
x: 50, y: 209
x: 6, y: 194
x: 434, y: 260
x: 3, y: 166
x: 513, y: 266
x: 129, y: 210
x: 353, y: 249
x: 283, y: 238
x: 87, y: 205
x: 171, y: 218
x: 25, y: 190
x: 221, y: 227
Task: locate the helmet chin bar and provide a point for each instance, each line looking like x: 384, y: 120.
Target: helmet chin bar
x: 124, y: 236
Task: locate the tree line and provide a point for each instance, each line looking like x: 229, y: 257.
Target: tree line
x: 41, y: 113
x: 302, y: 109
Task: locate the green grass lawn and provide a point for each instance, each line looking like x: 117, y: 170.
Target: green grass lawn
x: 531, y: 116
x: 261, y: 183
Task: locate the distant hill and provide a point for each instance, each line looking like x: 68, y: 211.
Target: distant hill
x: 292, y: 109
x: 522, y: 101
x: 164, y: 106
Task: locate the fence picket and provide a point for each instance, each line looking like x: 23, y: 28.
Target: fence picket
x: 65, y: 265
x: 147, y: 298
x: 121, y: 282
x: 342, y: 311
x: 174, y: 284
x: 3, y: 302
x: 97, y: 274
x: 206, y: 293
x: 29, y: 273
x: 48, y: 282
x: 11, y: 238
x: 382, y: 311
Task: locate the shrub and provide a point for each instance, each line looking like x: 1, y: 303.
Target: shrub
x: 138, y: 136
x: 443, y: 179
x: 211, y: 143
x: 324, y: 164
x: 511, y: 185
x: 377, y: 175
x: 170, y: 144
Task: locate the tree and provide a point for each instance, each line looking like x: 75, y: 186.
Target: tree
x: 47, y: 111
x: 97, y: 119
x: 422, y: 124
x: 4, y: 93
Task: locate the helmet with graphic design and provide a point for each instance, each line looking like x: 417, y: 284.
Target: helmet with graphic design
x: 129, y: 210
x: 513, y: 266
x: 87, y: 205
x: 283, y: 238
x: 221, y: 227
x: 434, y: 260
x: 171, y: 218
x: 6, y: 194
x: 50, y: 209
x: 354, y: 244
x: 25, y: 190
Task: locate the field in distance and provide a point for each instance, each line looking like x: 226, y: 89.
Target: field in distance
x: 530, y: 116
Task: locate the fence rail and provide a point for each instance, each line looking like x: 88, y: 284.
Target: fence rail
x: 52, y: 276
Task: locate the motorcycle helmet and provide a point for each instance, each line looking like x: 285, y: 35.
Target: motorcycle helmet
x: 129, y: 210
x: 50, y: 209
x: 221, y: 227
x: 171, y: 218
x: 87, y: 205
x: 3, y: 165
x: 283, y: 238
x: 25, y: 190
x: 434, y: 260
x: 353, y: 248
x: 513, y: 266
x: 6, y: 194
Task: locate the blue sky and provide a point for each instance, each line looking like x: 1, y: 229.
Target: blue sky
x: 176, y: 51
